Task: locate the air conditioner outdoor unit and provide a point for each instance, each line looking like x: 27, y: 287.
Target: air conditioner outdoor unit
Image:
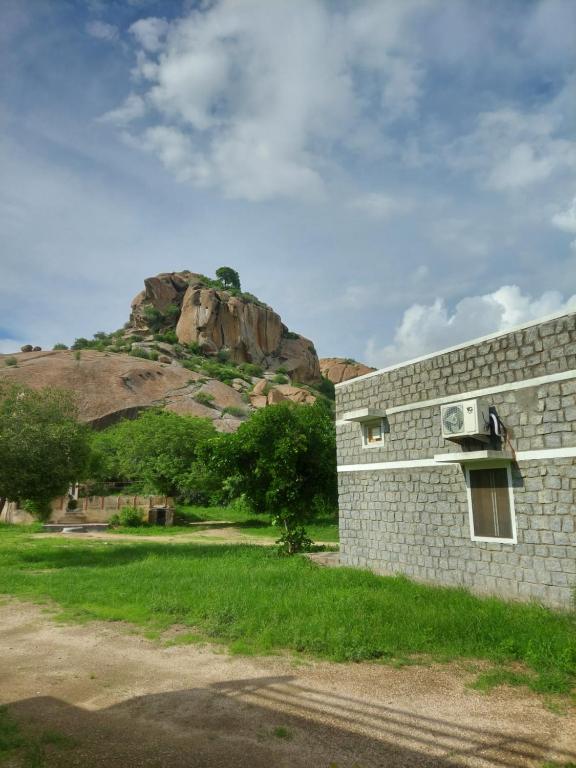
x: 468, y: 418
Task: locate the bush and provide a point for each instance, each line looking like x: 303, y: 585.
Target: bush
x: 204, y: 398
x: 193, y: 347
x: 251, y: 369
x: 235, y: 410
x: 59, y: 346
x: 172, y: 312
x: 145, y: 354
x: 279, y: 378
x: 153, y: 317
x: 11, y: 362
x: 168, y: 337
x: 131, y: 517
x: 290, y: 335
x: 223, y: 355
x: 326, y: 388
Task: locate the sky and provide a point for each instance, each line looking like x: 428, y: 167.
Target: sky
x: 392, y: 176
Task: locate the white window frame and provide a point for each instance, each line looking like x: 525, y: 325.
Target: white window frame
x: 365, y: 425
x: 491, y: 465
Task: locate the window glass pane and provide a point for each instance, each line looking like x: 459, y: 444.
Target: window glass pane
x: 374, y: 433
x: 490, y: 503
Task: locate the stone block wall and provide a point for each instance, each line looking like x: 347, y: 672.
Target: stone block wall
x: 415, y: 520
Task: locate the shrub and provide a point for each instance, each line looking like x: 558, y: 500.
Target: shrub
x: 235, y: 410
x: 326, y: 388
x: 223, y: 355
x: 204, y: 398
x: 193, y: 347
x: 153, y: 317
x: 11, y: 362
x: 172, y: 312
x: 77, y: 355
x: 131, y: 517
x: 290, y: 335
x: 59, y: 346
x: 145, y: 354
x: 168, y: 337
x: 114, y: 520
x: 283, y: 370
x: 251, y: 369
x: 279, y: 378
x: 72, y: 505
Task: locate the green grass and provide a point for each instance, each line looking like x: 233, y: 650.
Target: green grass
x: 258, y: 602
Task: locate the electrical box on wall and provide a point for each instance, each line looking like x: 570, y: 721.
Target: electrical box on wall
x: 468, y: 418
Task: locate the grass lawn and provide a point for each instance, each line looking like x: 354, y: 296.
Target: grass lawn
x: 320, y: 529
x: 258, y: 602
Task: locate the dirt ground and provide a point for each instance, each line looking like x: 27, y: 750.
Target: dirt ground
x: 128, y: 701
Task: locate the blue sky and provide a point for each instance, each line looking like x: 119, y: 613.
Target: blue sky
x: 392, y: 176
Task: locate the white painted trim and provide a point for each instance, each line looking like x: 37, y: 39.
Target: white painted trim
x: 463, y: 345
x: 544, y: 454
x: 547, y: 453
x: 492, y: 539
x: 464, y: 457
x: 387, y: 465
x: 538, y: 381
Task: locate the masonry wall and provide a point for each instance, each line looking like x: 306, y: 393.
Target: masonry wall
x: 415, y: 520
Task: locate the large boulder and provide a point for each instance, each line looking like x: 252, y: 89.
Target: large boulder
x: 216, y: 319
x: 339, y: 369
x: 110, y: 387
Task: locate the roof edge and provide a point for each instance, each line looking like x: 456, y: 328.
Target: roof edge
x: 462, y: 345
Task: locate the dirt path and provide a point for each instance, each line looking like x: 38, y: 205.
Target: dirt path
x: 129, y: 702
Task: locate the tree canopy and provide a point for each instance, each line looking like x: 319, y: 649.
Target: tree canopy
x: 43, y: 447
x: 228, y: 277
x: 283, y: 460
x: 159, y: 449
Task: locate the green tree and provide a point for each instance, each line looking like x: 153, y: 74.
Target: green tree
x: 159, y: 449
x: 283, y: 459
x: 228, y: 277
x: 43, y: 447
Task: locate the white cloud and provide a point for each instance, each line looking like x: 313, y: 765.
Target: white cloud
x: 566, y: 220
x: 150, y: 33
x: 133, y: 108
x: 262, y: 92
x: 102, y: 31
x: 428, y: 328
x: 510, y: 149
x: 381, y: 206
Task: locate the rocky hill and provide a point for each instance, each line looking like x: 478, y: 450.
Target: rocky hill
x: 338, y: 369
x: 190, y: 346
x: 214, y: 320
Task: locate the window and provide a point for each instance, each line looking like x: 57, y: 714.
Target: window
x: 491, y: 504
x: 373, y: 432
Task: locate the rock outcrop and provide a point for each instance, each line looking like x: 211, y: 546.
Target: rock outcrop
x: 109, y: 387
x: 216, y: 319
x: 339, y: 369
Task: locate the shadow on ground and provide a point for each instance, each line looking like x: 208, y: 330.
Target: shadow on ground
x: 267, y: 722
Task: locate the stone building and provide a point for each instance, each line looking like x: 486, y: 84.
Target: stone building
x: 459, y: 468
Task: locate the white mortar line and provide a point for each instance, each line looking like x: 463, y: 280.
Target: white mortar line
x: 538, y: 381
x: 463, y: 345
x: 544, y: 453
x: 511, y: 386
